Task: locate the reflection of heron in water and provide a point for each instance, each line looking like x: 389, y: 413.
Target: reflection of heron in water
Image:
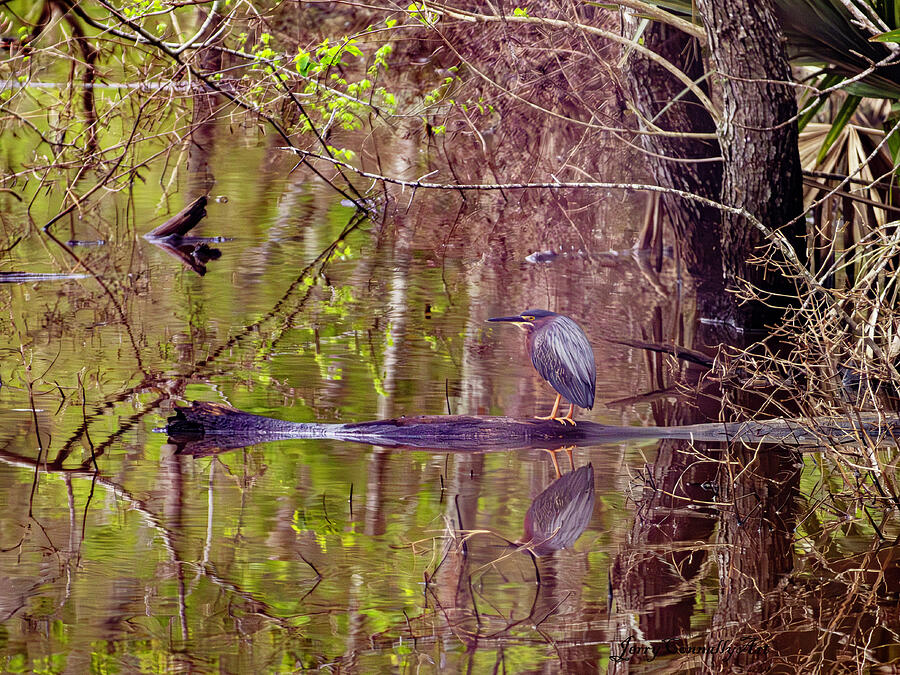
x: 561, y: 513
x: 557, y: 516
x: 555, y: 520
x: 561, y: 353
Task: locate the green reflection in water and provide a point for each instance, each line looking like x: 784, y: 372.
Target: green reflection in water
x: 258, y: 560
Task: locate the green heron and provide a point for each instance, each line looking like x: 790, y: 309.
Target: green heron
x: 561, y: 353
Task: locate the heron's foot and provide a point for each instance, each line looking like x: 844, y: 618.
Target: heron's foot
x: 561, y: 420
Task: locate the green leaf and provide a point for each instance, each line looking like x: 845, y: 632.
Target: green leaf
x: 893, y: 141
x: 840, y: 121
x: 890, y: 36
x: 302, y: 62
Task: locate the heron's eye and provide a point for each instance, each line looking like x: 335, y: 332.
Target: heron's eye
x: 528, y: 318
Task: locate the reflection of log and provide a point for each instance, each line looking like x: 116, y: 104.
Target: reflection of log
x: 182, y: 222
x: 224, y: 427
x: 194, y: 253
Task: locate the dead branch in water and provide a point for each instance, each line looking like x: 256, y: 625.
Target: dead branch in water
x: 182, y: 222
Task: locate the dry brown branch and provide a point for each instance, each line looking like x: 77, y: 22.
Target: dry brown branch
x: 654, y: 12
x: 474, y: 17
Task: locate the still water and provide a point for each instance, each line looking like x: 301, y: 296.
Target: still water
x: 121, y: 552
x: 297, y: 555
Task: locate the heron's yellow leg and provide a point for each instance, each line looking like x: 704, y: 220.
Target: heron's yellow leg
x: 568, y: 450
x: 555, y: 461
x: 568, y: 418
x: 553, y: 413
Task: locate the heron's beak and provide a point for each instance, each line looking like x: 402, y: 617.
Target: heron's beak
x: 509, y: 319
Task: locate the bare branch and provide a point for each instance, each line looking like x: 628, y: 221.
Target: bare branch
x: 473, y: 17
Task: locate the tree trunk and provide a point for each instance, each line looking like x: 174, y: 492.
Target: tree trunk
x: 652, y: 90
x: 757, y: 135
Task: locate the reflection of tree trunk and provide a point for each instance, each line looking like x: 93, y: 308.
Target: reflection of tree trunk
x: 202, y: 137
x: 357, y: 634
x: 757, y: 135
x: 653, y: 89
x: 376, y: 481
x: 452, y: 581
x: 172, y: 487
x: 655, y: 574
x: 754, y: 552
x: 397, y: 314
x: 200, y: 146
x: 476, y: 391
x: 89, y: 54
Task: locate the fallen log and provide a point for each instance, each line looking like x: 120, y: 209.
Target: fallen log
x: 205, y: 427
x: 34, y: 277
x: 193, y: 252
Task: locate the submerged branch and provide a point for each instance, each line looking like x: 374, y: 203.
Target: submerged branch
x: 182, y: 222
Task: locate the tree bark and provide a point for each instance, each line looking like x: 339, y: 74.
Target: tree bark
x: 654, y: 93
x: 757, y: 135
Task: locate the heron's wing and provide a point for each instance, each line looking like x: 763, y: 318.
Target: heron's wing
x: 563, y: 356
